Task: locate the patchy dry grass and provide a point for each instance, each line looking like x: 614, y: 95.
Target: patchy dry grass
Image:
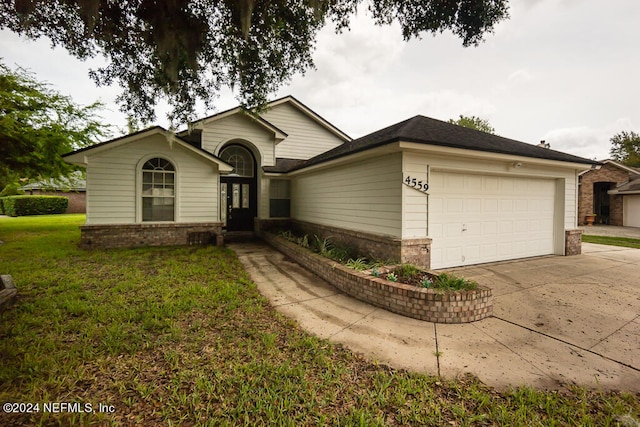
x: 180, y: 336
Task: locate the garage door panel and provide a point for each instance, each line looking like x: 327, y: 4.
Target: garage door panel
x: 631, y: 210
x: 509, y: 217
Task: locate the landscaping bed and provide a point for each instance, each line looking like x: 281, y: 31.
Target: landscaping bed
x: 411, y: 300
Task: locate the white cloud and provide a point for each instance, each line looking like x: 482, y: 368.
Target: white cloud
x: 585, y: 141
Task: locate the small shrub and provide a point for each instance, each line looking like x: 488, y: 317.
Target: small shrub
x: 450, y: 282
x: 322, y: 246
x: 34, y: 205
x: 407, y: 272
x: 375, y: 272
x: 426, y: 283
x: 288, y: 235
x: 357, y: 264
x: 392, y: 277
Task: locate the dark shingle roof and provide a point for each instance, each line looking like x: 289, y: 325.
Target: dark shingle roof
x: 425, y: 130
x: 631, y: 186
x: 283, y: 165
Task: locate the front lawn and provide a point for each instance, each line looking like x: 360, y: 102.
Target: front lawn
x: 170, y: 336
x: 613, y: 241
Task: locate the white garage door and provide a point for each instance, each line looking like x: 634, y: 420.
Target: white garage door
x: 631, y: 211
x: 484, y: 218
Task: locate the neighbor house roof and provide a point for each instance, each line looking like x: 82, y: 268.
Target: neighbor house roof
x: 631, y: 170
x: 75, y: 181
x: 425, y: 130
x: 631, y: 187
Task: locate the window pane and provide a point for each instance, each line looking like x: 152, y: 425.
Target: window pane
x: 240, y: 158
x: 245, y: 196
x: 157, y: 179
x: 235, y: 196
x: 223, y: 203
x: 279, y: 208
x: 158, y: 190
x: 279, y: 189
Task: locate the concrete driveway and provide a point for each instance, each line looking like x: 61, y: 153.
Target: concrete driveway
x: 557, y: 320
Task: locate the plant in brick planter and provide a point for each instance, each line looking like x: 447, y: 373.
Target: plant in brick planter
x: 441, y: 298
x: 412, y: 275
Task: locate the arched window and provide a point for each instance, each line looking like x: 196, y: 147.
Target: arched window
x: 240, y: 158
x: 158, y: 190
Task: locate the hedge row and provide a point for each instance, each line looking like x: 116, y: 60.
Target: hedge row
x: 33, y: 205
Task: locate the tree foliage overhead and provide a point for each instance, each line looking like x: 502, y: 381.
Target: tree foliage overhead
x: 187, y: 50
x: 625, y: 148
x: 474, y: 122
x: 38, y: 125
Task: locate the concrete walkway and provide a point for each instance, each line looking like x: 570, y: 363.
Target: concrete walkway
x: 557, y: 320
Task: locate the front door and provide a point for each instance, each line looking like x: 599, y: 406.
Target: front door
x: 238, y: 190
x: 238, y: 203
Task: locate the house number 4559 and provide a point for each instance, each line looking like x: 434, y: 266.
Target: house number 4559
x: 415, y: 183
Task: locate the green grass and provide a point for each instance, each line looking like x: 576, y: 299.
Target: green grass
x: 613, y: 241
x: 181, y: 336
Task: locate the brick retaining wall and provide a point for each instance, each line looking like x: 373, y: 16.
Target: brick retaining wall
x: 374, y: 246
x: 137, y: 235
x: 407, y: 300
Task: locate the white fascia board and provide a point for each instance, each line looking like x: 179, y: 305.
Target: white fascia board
x: 621, y: 166
x: 222, y: 166
x: 82, y: 156
x: 487, y: 155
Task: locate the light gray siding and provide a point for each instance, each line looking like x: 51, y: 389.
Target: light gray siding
x: 113, y: 183
x: 306, y: 137
x: 363, y: 196
x: 240, y: 127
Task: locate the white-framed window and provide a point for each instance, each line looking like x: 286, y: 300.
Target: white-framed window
x: 158, y: 190
x: 279, y: 198
x: 240, y: 158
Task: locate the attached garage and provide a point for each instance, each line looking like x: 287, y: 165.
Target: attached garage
x: 455, y: 197
x: 476, y: 218
x: 631, y: 210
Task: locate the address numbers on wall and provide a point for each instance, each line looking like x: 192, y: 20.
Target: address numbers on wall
x: 419, y: 185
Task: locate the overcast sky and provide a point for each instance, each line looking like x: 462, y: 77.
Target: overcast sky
x: 566, y: 71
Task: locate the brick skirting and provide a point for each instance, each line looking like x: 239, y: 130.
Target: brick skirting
x: 407, y: 300
x: 137, y: 235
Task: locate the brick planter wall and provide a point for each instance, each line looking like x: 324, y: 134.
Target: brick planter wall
x: 407, y: 300
x: 375, y: 246
x: 137, y: 235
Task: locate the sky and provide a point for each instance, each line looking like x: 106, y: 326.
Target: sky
x: 563, y: 71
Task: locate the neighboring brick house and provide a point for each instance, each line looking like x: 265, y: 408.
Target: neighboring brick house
x: 72, y: 187
x: 597, y: 192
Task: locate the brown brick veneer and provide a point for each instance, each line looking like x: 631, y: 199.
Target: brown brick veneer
x: 136, y: 235
x: 607, y: 173
x: 572, y: 242
x: 410, y: 301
